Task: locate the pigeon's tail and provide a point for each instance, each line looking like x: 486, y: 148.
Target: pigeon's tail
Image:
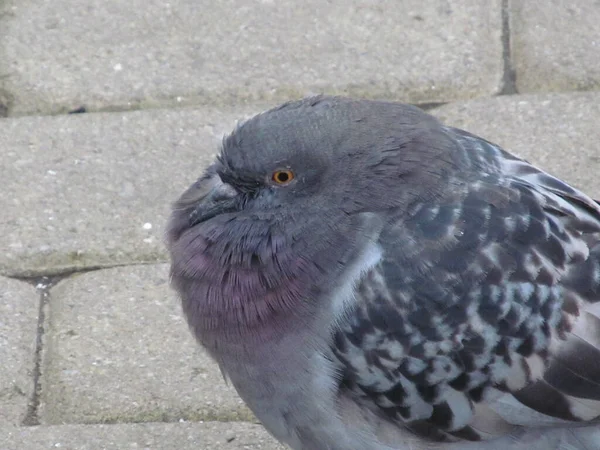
x: 561, y: 411
x: 558, y: 438
x: 570, y: 387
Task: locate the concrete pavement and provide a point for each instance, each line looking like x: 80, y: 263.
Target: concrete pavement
x: 113, y: 54
x: 93, y: 349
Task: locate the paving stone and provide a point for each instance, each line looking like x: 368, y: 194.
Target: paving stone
x: 556, y: 45
x: 19, y: 306
x: 94, y: 190
x: 111, y: 54
x: 556, y: 132
x: 118, y: 350
x: 149, y: 436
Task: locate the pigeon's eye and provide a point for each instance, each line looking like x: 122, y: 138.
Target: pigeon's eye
x: 282, y: 176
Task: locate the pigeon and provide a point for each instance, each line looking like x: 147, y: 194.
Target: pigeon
x: 369, y: 278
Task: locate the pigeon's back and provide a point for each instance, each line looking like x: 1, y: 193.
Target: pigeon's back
x: 482, y: 321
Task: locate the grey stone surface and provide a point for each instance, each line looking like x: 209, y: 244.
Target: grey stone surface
x: 557, y: 132
x: 60, y: 55
x: 556, y: 44
x: 118, y: 350
x: 150, y: 436
x: 94, y: 190
x: 19, y: 306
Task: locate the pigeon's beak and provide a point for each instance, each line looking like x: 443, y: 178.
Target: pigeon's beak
x: 209, y: 198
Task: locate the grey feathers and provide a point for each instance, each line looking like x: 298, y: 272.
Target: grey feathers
x: 409, y: 282
x: 480, y: 291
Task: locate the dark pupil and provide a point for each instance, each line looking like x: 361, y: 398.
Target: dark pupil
x: 282, y: 177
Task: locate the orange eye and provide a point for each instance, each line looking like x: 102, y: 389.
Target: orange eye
x: 282, y: 176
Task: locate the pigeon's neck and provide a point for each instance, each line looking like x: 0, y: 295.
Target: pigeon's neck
x: 248, y: 285
x: 257, y: 290
x: 239, y: 303
x: 301, y: 309
x: 246, y: 315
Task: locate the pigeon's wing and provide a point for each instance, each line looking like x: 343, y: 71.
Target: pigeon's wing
x: 488, y: 295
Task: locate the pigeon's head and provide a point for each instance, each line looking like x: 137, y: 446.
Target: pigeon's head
x: 295, y: 195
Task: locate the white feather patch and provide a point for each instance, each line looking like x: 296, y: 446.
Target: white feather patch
x: 344, y: 296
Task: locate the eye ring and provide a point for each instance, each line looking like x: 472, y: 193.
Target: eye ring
x: 282, y: 177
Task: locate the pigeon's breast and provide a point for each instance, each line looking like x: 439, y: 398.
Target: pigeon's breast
x: 239, y: 278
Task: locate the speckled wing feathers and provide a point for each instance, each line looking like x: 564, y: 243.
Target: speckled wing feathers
x: 491, y: 291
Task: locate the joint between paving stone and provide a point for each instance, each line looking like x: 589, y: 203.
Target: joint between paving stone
x: 509, y: 76
x: 56, y: 274
x: 236, y: 99
x: 43, y: 286
x: 5, y: 100
x: 426, y: 106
